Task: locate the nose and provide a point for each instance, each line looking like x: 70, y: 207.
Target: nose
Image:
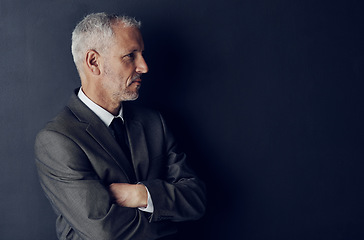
x: 141, y: 66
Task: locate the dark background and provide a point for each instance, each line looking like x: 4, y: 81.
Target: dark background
x: 266, y: 97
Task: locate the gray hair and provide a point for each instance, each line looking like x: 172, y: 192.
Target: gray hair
x: 95, y: 32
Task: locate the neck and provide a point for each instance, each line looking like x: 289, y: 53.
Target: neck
x: 101, y: 99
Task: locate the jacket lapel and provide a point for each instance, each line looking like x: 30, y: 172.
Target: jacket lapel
x: 138, y: 148
x: 102, y: 135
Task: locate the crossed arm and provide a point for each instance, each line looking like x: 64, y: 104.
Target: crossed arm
x: 87, y: 203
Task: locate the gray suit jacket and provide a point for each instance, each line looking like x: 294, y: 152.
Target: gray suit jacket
x: 77, y: 159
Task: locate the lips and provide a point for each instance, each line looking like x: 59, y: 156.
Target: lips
x: 136, y: 80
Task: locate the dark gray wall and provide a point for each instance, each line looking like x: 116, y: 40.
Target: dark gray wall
x: 266, y: 96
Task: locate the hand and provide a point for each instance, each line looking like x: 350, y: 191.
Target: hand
x: 129, y: 195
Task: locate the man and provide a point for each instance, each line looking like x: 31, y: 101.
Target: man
x: 112, y: 170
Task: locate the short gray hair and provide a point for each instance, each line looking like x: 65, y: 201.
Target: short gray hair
x: 95, y: 32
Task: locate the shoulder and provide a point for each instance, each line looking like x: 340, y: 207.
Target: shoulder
x: 64, y: 126
x: 63, y: 122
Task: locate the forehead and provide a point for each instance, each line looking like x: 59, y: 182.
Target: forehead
x: 128, y: 38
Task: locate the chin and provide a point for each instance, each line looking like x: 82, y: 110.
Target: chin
x: 131, y: 97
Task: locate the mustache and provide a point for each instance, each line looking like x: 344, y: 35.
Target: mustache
x: 138, y: 76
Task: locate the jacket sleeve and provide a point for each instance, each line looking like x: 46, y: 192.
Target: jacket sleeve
x: 80, y: 197
x: 180, y: 195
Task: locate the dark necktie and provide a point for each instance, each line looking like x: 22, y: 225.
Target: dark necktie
x: 117, y: 125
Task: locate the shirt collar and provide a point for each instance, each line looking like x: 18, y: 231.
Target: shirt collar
x: 103, y: 114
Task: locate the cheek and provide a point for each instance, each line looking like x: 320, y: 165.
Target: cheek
x: 127, y: 69
x: 122, y: 75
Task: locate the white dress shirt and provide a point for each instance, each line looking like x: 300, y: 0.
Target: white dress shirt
x: 107, y: 118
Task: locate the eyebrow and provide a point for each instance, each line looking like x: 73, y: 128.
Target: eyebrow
x: 132, y: 51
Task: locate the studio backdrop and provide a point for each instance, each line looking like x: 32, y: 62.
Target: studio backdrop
x: 266, y: 97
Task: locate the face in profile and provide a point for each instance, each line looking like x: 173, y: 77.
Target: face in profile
x: 124, y: 64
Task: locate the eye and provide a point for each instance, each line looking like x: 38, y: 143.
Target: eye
x: 130, y: 56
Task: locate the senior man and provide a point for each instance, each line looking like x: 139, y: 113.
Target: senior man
x: 112, y: 170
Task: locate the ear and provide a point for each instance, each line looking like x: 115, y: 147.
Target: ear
x: 93, y: 62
